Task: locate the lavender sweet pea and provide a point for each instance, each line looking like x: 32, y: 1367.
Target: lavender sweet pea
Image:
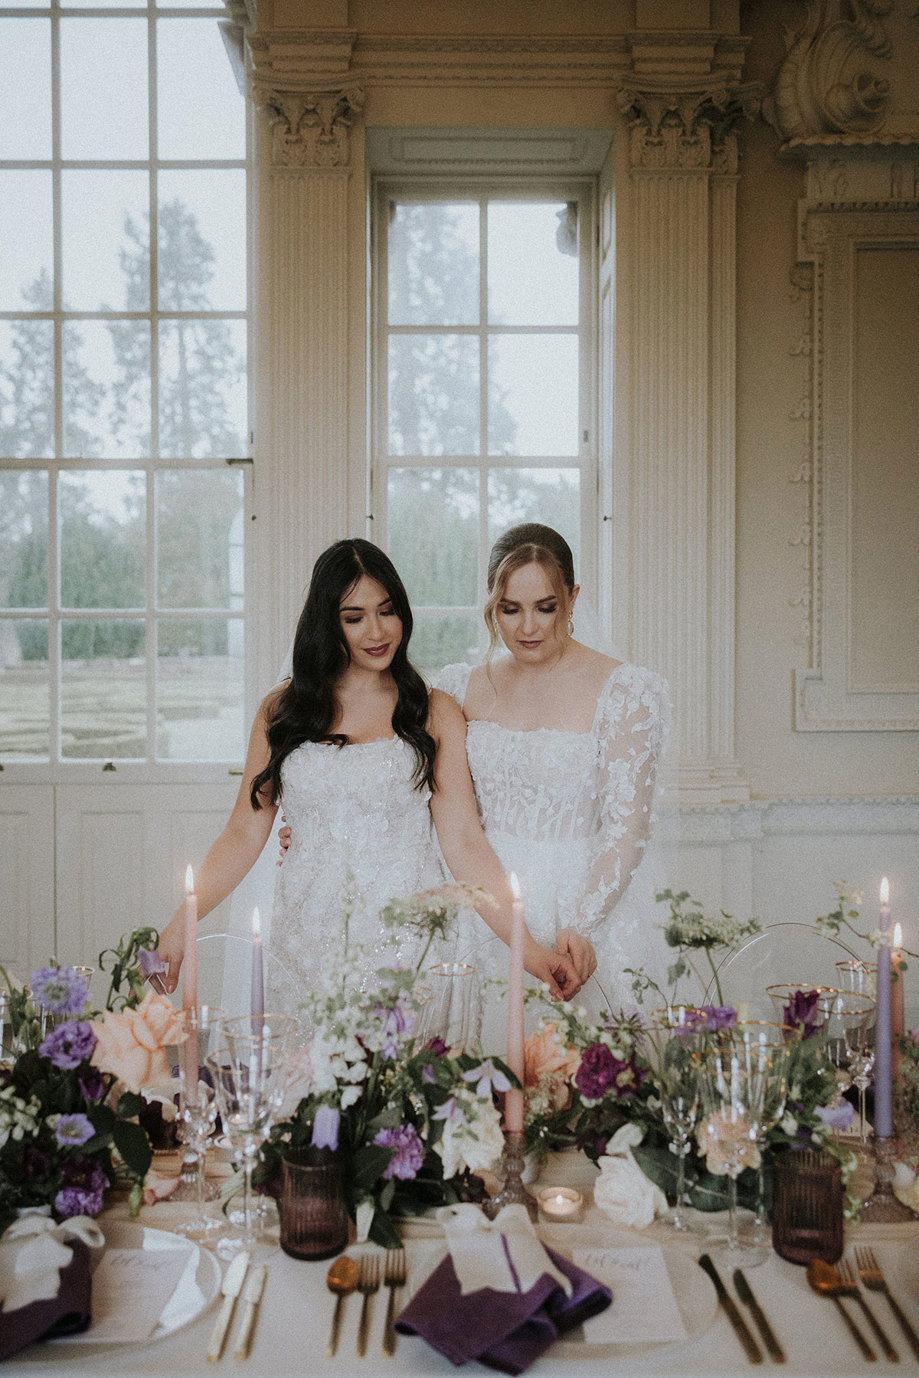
x: 325, y: 1127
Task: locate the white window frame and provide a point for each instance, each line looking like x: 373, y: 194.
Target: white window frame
x: 583, y: 190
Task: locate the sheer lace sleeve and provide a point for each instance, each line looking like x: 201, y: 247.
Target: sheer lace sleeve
x: 454, y: 679
x: 632, y: 726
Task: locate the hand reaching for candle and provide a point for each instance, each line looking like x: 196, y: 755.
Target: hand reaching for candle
x: 580, y: 950
x: 171, y: 950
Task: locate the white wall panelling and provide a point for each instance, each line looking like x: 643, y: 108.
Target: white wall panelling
x: 27, y: 846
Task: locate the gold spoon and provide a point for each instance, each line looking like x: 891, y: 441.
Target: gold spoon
x: 824, y: 1279
x: 340, y: 1279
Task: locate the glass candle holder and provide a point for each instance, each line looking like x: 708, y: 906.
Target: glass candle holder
x: 560, y: 1205
x: 807, y: 1221
x: 314, y: 1221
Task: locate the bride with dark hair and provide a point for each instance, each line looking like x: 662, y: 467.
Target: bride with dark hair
x: 364, y: 757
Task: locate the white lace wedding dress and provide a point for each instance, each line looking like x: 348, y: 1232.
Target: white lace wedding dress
x: 570, y: 813
x: 361, y: 835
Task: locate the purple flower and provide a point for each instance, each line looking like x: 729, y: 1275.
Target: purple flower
x: 150, y: 962
x: 325, y: 1127
x: 36, y: 1163
x: 399, y: 1019
x: 706, y: 1019
x: 409, y: 1151
x: 487, y: 1077
x: 836, y: 1116
x: 600, y: 1071
x: 438, y: 1047
x: 802, y: 1012
x: 69, y: 1044
x: 84, y: 1184
x: 73, y: 1130
x: 60, y: 990
x: 92, y: 1083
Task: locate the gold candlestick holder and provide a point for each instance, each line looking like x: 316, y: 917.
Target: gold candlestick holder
x: 513, y: 1192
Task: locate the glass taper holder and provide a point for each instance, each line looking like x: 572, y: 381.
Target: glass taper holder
x: 513, y: 1192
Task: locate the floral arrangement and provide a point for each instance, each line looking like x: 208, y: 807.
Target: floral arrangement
x: 69, y: 1094
x: 597, y: 1085
x: 409, y: 1123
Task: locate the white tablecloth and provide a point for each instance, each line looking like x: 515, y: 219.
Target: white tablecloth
x: 296, y: 1312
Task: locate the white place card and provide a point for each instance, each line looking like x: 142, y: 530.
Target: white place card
x: 130, y: 1290
x: 644, y: 1307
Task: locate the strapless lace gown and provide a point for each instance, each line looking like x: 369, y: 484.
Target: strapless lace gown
x: 571, y: 813
x: 360, y: 832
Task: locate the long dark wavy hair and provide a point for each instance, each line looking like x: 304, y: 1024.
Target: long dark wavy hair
x: 306, y: 707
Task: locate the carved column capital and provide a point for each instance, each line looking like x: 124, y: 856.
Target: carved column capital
x: 685, y: 130
x: 311, y: 129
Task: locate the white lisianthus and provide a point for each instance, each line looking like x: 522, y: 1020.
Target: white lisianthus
x: 471, y: 1143
x: 622, y: 1191
x: 350, y: 1096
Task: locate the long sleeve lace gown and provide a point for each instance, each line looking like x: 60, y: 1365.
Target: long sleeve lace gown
x: 361, y: 836
x: 570, y: 813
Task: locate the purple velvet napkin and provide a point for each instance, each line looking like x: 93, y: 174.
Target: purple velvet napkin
x: 68, y: 1313
x: 505, y: 1330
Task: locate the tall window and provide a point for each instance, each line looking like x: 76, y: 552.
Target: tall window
x: 484, y: 359
x: 122, y: 382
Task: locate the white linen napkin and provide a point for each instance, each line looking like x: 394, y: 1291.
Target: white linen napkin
x: 33, y: 1250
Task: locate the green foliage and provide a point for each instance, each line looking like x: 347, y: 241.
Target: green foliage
x: 125, y: 968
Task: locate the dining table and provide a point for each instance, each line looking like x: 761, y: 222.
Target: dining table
x: 294, y: 1316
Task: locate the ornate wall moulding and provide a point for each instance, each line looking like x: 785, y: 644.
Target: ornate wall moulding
x: 685, y: 130
x: 311, y: 129
x: 861, y: 424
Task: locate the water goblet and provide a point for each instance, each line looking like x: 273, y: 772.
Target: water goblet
x: 732, y: 1086
x: 284, y: 1030
x: 797, y: 1004
x: 451, y: 1006
x: 846, y: 1018
x: 197, y: 1117
x: 250, y: 1079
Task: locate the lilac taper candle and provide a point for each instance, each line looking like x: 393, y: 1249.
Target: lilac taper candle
x: 883, y: 1080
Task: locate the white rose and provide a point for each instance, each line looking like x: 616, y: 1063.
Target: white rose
x: 626, y: 1195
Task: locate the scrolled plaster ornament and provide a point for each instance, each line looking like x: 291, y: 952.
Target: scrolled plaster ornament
x: 311, y: 129
x: 828, y: 83
x: 685, y: 131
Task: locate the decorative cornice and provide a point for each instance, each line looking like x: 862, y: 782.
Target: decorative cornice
x: 831, y: 83
x: 311, y: 129
x: 685, y: 130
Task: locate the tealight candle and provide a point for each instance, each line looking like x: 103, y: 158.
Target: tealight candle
x: 561, y: 1204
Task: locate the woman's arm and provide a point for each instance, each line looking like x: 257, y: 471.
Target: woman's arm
x: 467, y: 851
x: 233, y: 854
x: 634, y: 725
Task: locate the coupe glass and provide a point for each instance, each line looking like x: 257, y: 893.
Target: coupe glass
x: 733, y: 1089
x: 197, y: 1117
x: 249, y: 1080
x: 789, y: 995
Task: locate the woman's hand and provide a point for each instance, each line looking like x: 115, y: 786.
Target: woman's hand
x: 580, y: 950
x: 171, y: 948
x: 284, y: 835
x: 555, y: 968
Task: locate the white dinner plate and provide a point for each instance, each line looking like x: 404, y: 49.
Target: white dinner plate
x: 197, y: 1288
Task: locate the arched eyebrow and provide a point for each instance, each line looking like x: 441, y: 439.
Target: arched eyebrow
x: 361, y: 607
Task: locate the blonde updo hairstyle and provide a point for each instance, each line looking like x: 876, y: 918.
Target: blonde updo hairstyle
x: 528, y: 544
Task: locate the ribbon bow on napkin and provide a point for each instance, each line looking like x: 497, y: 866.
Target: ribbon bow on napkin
x: 45, y: 1277
x: 499, y: 1296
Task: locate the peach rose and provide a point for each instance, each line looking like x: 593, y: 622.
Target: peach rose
x: 132, y: 1043
x: 549, y: 1066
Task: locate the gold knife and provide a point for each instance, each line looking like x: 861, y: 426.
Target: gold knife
x: 744, y: 1291
x: 252, y: 1296
x: 231, y: 1288
x: 741, y: 1330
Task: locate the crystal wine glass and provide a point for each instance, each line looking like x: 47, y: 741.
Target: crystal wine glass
x: 772, y: 1044
x: 249, y: 1080
x: 197, y: 1117
x: 672, y: 1039
x: 733, y: 1078
x: 846, y: 1018
x: 284, y: 1030
x: 452, y: 1006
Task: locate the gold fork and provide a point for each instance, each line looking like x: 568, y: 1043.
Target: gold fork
x: 847, y: 1278
x: 394, y: 1277
x: 368, y: 1282
x: 871, y: 1275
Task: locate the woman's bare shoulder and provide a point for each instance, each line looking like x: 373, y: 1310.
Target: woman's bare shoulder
x: 444, y: 713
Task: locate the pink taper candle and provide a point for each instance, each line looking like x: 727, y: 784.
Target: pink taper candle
x: 883, y: 1081
x: 257, y: 986
x: 190, y: 955
x: 513, y: 1102
x: 897, y: 1009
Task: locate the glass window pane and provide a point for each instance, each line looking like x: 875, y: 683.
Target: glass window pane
x: 440, y: 641
x: 200, y: 108
x: 24, y: 690
x: 532, y: 263
x: 102, y: 518
x: 105, y: 233
x: 23, y: 540
x: 551, y: 496
x: 202, y: 240
x: 103, y: 691
x: 25, y: 88
x: 433, y: 533
x: 105, y: 4
x: 433, y: 264
x: 106, y: 389
x: 433, y: 395
x: 534, y: 384
x: 104, y: 88
x: 27, y: 259
x: 199, y: 530
x: 27, y: 389
x: 199, y: 690
x: 202, y: 400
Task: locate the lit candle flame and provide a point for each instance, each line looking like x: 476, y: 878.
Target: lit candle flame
x: 885, y: 891
x: 189, y: 881
x: 514, y: 884
x: 256, y: 923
